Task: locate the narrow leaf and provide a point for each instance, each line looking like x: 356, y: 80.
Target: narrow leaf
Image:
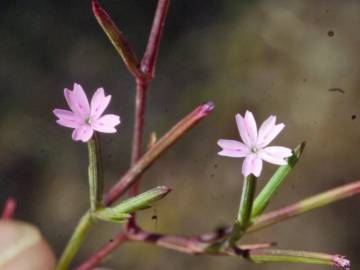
x: 117, y: 39
x: 306, y: 205
x: 262, y: 200
x: 295, y: 256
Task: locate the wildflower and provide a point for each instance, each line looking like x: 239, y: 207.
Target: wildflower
x: 86, y: 118
x: 254, y: 147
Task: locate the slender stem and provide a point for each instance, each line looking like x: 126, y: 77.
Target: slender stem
x: 9, y: 209
x: 103, y: 252
x: 153, y: 45
x: 295, y: 256
x: 140, y: 106
x: 256, y: 253
x: 157, y: 150
x: 195, y: 244
x: 306, y: 205
x: 142, y: 84
x: 75, y: 241
x: 96, y: 186
x: 96, y: 178
x: 246, y: 202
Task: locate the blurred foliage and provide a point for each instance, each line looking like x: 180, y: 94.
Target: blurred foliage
x: 272, y: 57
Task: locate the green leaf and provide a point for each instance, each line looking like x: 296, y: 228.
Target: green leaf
x: 142, y: 201
x: 121, y: 212
x: 262, y: 200
x: 109, y: 214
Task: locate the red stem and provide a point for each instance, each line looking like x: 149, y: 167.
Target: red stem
x: 140, y: 106
x: 9, y: 209
x: 127, y: 180
x: 142, y: 84
x: 105, y: 250
x: 184, y: 244
x: 152, y: 49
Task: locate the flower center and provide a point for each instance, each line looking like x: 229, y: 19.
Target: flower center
x: 88, y: 121
x: 254, y: 149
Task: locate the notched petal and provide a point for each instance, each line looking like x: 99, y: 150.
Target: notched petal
x: 276, y: 154
x: 99, y: 103
x: 82, y: 133
x: 252, y: 165
x: 106, y: 123
x: 240, y: 122
x: 232, y: 148
x: 251, y: 126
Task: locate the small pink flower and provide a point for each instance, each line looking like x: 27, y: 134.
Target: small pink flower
x: 254, y: 146
x: 86, y: 118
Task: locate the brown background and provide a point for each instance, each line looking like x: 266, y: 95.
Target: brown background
x: 271, y: 57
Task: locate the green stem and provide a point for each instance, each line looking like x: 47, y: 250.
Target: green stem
x: 75, y: 242
x: 244, y: 213
x: 306, y: 205
x: 295, y: 256
x: 275, y: 182
x: 96, y: 179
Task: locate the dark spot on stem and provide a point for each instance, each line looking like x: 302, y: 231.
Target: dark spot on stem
x: 331, y: 33
x: 220, y: 231
x: 353, y: 117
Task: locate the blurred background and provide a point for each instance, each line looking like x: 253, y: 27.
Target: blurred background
x: 296, y: 59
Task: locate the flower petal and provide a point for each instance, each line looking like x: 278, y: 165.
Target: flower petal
x: 82, y: 133
x: 251, y: 126
x: 82, y: 101
x: 106, y: 123
x: 252, y: 165
x: 77, y: 101
x: 240, y: 122
x: 67, y: 118
x: 275, y: 154
x: 99, y: 103
x: 70, y: 100
x: 232, y: 148
x: 271, y: 134
x: 265, y: 128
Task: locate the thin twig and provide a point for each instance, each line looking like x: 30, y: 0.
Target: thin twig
x: 306, y: 205
x: 155, y: 152
x: 140, y: 107
x: 152, y: 49
x: 192, y: 244
x: 103, y: 252
x: 142, y: 84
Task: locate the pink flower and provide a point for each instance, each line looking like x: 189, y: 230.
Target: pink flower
x: 254, y: 147
x: 86, y: 118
